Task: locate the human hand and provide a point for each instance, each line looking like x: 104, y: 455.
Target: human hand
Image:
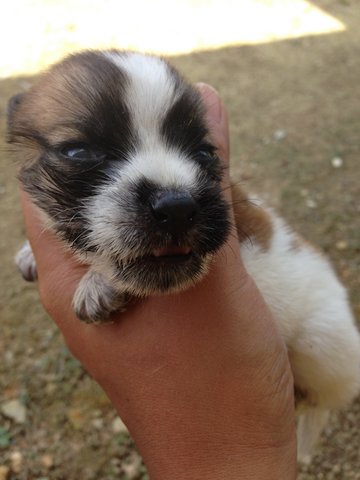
x: 201, y: 378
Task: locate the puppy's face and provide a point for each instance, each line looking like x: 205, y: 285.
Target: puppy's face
x: 118, y: 156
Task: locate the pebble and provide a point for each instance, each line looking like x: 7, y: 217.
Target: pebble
x: 310, y: 203
x: 4, y: 472
x: 118, y: 426
x: 337, y: 162
x: 16, y: 461
x: 97, y: 423
x: 280, y: 135
x: 14, y: 410
x: 9, y: 357
x: 341, y: 245
x: 47, y: 461
x: 131, y: 466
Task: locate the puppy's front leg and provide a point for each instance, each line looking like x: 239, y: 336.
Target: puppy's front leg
x: 95, y: 298
x: 25, y: 262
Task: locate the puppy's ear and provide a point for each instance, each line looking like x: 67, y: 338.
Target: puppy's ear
x: 12, y: 106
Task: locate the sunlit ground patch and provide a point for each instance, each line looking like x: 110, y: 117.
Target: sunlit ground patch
x: 35, y: 33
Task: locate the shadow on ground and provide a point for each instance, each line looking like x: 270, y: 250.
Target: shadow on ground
x: 295, y: 123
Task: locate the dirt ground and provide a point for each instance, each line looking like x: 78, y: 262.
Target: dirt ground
x: 295, y: 128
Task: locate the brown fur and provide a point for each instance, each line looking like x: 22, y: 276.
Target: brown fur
x: 251, y: 220
x: 67, y: 97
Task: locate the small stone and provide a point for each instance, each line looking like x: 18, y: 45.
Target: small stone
x: 9, y: 357
x: 118, y: 426
x: 14, y: 410
x: 337, y: 162
x: 47, y: 461
x: 130, y: 471
x: 4, y: 472
x: 310, y: 203
x: 132, y: 466
x: 280, y: 135
x: 16, y: 461
x: 98, y: 423
x: 341, y: 245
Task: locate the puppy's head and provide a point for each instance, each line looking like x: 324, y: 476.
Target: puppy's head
x: 118, y: 156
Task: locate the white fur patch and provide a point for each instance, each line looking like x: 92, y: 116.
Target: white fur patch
x: 311, y: 309
x: 149, y: 95
x: 164, y: 167
x: 95, y: 298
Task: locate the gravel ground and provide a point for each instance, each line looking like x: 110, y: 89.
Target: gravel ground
x: 295, y: 123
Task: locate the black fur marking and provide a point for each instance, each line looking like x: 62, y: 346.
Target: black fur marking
x: 157, y: 277
x: 87, y: 96
x: 78, y: 179
x: 212, y: 223
x: 183, y: 126
x: 144, y: 190
x: 108, y: 122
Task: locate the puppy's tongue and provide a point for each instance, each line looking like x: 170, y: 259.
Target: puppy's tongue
x: 171, y: 250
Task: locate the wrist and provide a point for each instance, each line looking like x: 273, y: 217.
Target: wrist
x: 218, y: 463
x: 178, y: 447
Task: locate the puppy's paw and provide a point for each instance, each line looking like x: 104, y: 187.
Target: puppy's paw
x: 25, y: 262
x: 95, y: 299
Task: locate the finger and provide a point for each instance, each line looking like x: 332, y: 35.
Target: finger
x: 217, y: 120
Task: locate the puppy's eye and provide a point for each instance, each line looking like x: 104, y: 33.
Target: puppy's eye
x: 205, y: 154
x: 82, y: 152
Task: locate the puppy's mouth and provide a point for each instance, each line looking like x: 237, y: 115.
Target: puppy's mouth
x: 164, y: 257
x: 170, y: 254
x: 163, y: 270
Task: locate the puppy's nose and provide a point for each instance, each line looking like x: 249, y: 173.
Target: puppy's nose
x: 174, y: 211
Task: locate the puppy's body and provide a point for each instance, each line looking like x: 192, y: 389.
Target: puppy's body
x: 120, y: 161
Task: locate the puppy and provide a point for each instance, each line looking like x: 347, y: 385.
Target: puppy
x: 117, y: 156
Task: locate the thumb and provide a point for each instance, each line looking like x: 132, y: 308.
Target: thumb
x: 217, y: 120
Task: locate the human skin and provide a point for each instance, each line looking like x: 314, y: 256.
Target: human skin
x: 201, y: 378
